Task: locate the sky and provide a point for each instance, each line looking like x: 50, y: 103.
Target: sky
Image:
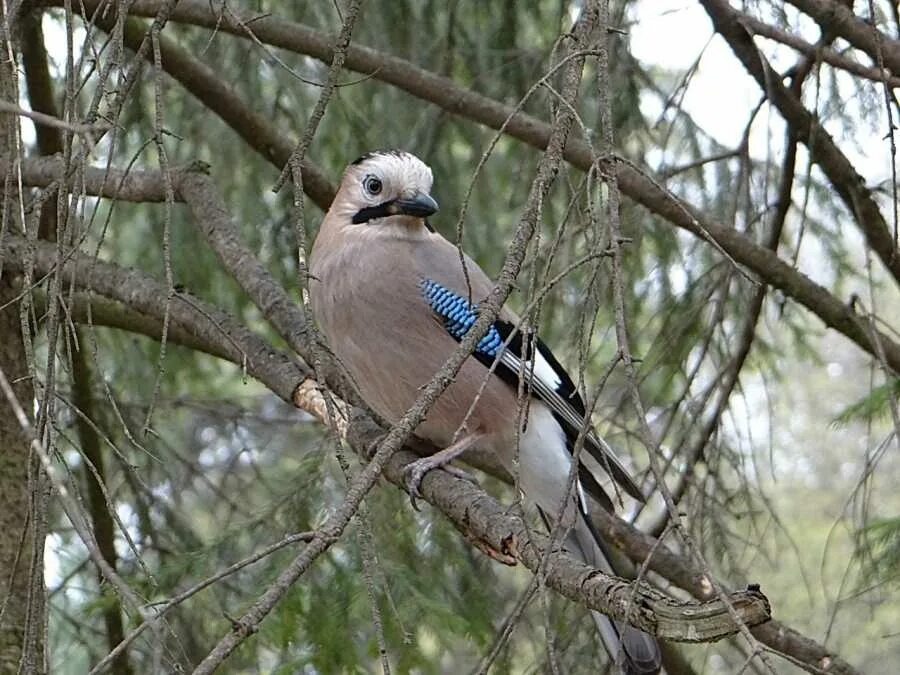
x: 673, y: 33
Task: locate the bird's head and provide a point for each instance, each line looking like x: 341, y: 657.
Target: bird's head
x: 386, y: 187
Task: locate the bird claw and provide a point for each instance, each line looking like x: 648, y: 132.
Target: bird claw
x: 415, y: 473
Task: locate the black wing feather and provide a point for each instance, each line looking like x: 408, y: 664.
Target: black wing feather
x: 564, y: 401
x: 505, y: 349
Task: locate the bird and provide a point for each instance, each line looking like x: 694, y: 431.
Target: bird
x: 393, y: 298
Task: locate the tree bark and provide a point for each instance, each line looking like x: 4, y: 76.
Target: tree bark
x: 16, y: 544
x: 50, y: 142
x: 22, y: 597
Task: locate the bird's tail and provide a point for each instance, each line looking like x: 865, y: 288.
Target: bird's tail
x: 633, y: 650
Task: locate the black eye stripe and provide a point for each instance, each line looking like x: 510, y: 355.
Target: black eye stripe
x: 372, y: 212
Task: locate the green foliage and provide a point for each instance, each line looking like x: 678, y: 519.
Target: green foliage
x: 876, y: 404
x: 879, y: 549
x: 223, y: 469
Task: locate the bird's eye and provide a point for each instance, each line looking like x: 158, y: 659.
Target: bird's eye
x: 372, y: 185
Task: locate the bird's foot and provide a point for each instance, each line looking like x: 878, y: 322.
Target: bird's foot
x: 462, y: 474
x: 415, y: 473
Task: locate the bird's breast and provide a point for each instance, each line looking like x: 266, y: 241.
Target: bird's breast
x: 371, y: 307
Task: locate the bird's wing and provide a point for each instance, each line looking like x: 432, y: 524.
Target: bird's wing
x: 512, y: 355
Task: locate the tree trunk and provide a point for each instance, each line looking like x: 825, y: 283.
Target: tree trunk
x: 16, y: 532
x: 22, y: 596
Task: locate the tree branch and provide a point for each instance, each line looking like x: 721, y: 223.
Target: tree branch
x: 148, y: 186
x: 633, y: 182
x: 92, y: 309
x: 134, y: 185
x: 816, y: 52
x: 840, y: 19
x: 823, y: 150
x: 216, y: 330
x: 481, y: 517
x: 641, y: 547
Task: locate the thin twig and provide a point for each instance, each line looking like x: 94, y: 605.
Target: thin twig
x: 55, y: 122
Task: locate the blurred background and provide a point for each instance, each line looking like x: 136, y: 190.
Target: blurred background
x: 787, y: 473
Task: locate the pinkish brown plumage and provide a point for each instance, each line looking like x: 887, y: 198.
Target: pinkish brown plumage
x: 376, y: 270
x: 370, y: 258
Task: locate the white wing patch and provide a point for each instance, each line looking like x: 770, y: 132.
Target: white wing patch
x: 544, y: 462
x: 544, y: 371
x: 545, y: 385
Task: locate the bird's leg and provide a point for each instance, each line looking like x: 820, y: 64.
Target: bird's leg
x: 415, y: 471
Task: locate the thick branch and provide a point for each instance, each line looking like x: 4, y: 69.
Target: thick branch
x: 16, y: 543
x: 135, y: 185
x: 91, y: 309
x: 143, y: 294
x: 641, y: 547
x: 23, y: 513
x: 286, y: 316
x: 484, y: 519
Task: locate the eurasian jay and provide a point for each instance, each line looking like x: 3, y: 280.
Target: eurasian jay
x: 392, y: 299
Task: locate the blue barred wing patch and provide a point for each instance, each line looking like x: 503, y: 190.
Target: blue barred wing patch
x: 458, y: 315
x: 527, y: 356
